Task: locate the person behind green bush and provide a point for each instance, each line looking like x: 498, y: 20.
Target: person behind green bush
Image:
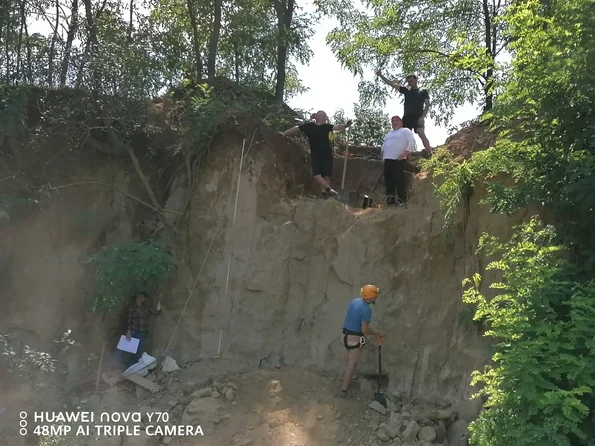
x: 138, y: 324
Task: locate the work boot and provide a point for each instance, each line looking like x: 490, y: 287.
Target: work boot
x: 425, y: 154
x: 342, y: 394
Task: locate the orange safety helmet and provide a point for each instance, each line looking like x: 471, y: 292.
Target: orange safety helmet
x: 370, y: 293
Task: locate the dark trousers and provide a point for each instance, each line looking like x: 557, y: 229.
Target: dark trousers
x: 142, y: 337
x: 394, y: 181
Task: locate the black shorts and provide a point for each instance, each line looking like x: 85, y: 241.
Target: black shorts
x: 411, y: 122
x: 322, y: 163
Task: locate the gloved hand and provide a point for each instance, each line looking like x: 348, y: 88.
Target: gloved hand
x: 348, y: 124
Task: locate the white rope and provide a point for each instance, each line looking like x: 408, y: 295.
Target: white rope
x: 235, y: 210
x: 191, y: 292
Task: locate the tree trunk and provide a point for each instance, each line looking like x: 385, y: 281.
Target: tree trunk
x: 130, y: 20
x: 69, y: 39
x: 195, y: 39
x: 91, y: 45
x: 52, y: 53
x: 214, y: 40
x: 7, y: 41
x: 236, y: 61
x: 29, y: 57
x: 284, y: 16
x: 20, y: 46
x: 489, y: 74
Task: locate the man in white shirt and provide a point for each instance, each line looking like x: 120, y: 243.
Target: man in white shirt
x: 398, y: 145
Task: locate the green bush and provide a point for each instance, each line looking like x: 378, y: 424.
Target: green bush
x: 539, y: 388
x: 457, y: 181
x: 124, y: 270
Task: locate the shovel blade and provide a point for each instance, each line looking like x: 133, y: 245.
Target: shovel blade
x: 381, y: 399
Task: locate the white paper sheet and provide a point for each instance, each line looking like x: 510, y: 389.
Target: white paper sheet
x: 128, y: 346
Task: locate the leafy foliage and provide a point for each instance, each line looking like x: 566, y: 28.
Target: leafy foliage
x: 13, y: 104
x: 457, y: 181
x: 370, y: 128
x: 548, y: 113
x: 540, y: 389
x: 453, y: 45
x: 136, y: 51
x: 124, y: 270
x: 23, y: 360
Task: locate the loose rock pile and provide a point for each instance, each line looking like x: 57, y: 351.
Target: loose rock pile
x: 407, y: 424
x: 269, y: 407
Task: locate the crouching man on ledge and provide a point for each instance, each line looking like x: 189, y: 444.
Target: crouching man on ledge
x: 355, y: 329
x: 320, y: 135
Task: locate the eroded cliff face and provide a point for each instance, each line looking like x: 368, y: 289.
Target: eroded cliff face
x: 296, y: 262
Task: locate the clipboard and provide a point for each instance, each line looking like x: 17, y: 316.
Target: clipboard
x: 128, y: 346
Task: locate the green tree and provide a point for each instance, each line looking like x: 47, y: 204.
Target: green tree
x: 452, y: 45
x: 540, y: 388
x: 370, y: 128
x: 122, y: 271
x: 546, y: 111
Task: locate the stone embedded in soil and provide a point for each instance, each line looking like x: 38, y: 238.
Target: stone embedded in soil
x: 441, y: 433
x: 229, y: 395
x: 233, y: 385
x: 427, y: 433
x: 444, y: 414
x: 319, y: 416
x: 200, y: 411
x: 405, y: 423
x: 167, y: 440
x: 382, y: 435
x: 216, y: 394
x: 391, y: 431
x: 396, y: 420
x: 273, y: 424
x: 202, y: 393
x: 375, y: 405
x: 457, y: 433
x: 411, y: 431
x: 169, y: 365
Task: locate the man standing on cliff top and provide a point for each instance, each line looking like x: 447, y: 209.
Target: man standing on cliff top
x: 417, y: 104
x: 355, y: 328
x: 398, y: 145
x: 320, y: 135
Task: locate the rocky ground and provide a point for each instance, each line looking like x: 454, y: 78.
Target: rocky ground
x: 285, y: 407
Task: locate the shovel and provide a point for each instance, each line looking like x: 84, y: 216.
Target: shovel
x: 380, y: 397
x: 344, y: 197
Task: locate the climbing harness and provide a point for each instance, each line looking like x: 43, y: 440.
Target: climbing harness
x: 360, y: 344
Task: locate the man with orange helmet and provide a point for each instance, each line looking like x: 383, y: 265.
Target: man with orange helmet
x: 355, y: 329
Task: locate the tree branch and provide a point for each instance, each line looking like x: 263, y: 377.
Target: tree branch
x: 112, y: 185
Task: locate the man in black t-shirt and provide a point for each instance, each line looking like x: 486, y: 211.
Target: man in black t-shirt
x: 320, y: 136
x: 417, y: 104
